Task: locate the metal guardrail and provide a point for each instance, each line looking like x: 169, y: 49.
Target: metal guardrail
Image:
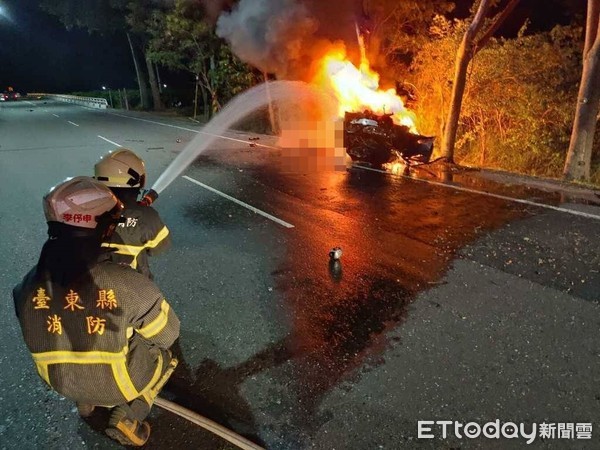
x: 91, y: 102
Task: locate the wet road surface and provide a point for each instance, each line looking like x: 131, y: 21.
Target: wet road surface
x: 400, y: 237
x: 446, y: 304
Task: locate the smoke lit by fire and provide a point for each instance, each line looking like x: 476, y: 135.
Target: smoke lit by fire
x: 301, y: 40
x: 357, y: 89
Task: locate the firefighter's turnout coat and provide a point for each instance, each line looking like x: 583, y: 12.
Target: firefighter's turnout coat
x: 98, y: 340
x: 141, y: 234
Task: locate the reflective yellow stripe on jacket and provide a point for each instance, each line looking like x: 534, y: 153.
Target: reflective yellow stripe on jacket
x: 135, y: 250
x: 155, y: 327
x: 117, y: 362
x: 163, y: 233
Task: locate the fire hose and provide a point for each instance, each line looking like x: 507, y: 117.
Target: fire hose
x: 207, y: 424
x: 196, y: 418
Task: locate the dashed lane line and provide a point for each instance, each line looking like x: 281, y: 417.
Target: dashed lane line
x: 241, y: 203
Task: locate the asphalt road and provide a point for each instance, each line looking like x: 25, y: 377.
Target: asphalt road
x: 448, y: 304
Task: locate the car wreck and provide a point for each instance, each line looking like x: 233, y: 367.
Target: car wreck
x: 376, y: 140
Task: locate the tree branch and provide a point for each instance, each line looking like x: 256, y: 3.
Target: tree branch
x: 498, y: 21
x: 591, y: 26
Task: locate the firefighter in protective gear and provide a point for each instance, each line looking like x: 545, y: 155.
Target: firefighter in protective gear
x: 142, y: 233
x: 99, y: 332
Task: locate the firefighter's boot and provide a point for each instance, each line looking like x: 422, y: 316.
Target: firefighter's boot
x: 85, y: 410
x: 127, y: 431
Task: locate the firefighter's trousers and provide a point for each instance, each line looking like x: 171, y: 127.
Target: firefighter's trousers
x: 139, y: 408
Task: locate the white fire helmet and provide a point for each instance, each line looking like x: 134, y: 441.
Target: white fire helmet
x: 121, y: 168
x: 79, y: 202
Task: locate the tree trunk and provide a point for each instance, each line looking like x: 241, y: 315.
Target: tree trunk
x: 463, y: 58
x: 205, y: 109
x: 153, y: 84
x: 442, y: 111
x: 140, y: 78
x: 270, y: 103
x: 215, y: 105
x: 212, y: 85
x: 591, y: 26
x: 482, y: 138
x: 579, y: 157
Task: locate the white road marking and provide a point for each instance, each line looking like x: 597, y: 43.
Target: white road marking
x: 72, y: 123
x: 241, y: 203
x: 196, y: 131
x: 109, y: 141
x: 435, y: 183
x: 55, y: 115
x: 489, y: 194
x: 222, y: 194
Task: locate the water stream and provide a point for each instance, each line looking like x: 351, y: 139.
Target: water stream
x: 238, y: 108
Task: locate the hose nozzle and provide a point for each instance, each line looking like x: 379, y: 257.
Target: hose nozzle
x: 149, y: 197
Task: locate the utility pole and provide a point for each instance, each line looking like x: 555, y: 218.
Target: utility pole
x: 196, y: 96
x: 126, y: 100
x: 109, y: 95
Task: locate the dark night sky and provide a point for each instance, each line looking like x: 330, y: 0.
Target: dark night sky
x: 38, y: 54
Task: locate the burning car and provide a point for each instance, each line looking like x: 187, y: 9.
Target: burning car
x: 386, y: 130
x: 376, y: 140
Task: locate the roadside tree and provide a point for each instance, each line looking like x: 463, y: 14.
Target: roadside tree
x: 183, y: 39
x: 579, y: 157
x: 110, y: 17
x: 514, y: 113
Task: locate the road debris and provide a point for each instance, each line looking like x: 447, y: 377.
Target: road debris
x: 335, y: 253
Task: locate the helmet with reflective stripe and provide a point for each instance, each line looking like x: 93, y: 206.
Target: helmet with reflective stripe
x: 80, y: 202
x: 121, y: 168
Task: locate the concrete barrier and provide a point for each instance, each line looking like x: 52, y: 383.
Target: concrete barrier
x: 90, y: 102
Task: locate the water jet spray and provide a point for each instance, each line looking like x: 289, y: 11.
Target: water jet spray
x: 238, y: 108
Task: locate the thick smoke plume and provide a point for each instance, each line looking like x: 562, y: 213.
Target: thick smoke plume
x: 285, y: 37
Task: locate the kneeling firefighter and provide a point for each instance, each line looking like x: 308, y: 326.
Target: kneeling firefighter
x: 142, y: 233
x: 99, y: 332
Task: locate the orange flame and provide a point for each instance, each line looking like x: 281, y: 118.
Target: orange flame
x: 357, y: 89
